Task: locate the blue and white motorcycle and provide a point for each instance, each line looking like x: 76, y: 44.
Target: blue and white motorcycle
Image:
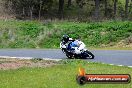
x: 76, y: 49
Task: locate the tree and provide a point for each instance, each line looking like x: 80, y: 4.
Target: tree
x: 69, y: 3
x: 29, y: 8
x: 60, y: 9
x: 115, y: 8
x: 42, y: 7
x: 105, y: 2
x: 130, y: 10
x: 97, y: 2
x: 81, y: 3
x: 126, y: 9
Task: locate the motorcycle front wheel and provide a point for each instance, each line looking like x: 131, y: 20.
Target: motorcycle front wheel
x: 69, y: 55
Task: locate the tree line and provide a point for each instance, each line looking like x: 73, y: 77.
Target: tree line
x: 66, y: 9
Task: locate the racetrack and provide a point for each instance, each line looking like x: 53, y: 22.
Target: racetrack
x: 117, y: 57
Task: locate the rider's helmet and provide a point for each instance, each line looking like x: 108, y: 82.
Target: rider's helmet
x: 65, y: 38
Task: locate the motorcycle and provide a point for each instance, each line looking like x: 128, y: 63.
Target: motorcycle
x: 75, y: 52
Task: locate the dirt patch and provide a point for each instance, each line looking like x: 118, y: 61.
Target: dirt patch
x: 125, y: 43
x: 6, y: 64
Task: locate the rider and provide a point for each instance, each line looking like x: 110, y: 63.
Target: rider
x: 66, y: 39
x: 72, y: 43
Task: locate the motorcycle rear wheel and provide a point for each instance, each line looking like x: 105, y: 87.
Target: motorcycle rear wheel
x: 70, y: 56
x: 88, y: 55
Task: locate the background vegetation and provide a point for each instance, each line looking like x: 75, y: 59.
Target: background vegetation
x: 33, y: 34
x: 79, y: 10
x: 98, y: 22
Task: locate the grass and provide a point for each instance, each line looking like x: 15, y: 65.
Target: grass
x: 33, y: 34
x: 60, y: 76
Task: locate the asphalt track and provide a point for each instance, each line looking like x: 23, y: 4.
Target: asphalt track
x: 116, y: 57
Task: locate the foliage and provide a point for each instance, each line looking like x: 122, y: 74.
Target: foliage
x: 82, y: 10
x: 33, y: 34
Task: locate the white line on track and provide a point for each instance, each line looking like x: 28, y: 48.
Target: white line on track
x: 27, y: 58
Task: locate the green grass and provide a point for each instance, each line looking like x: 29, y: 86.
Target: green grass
x: 60, y: 76
x: 33, y: 34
